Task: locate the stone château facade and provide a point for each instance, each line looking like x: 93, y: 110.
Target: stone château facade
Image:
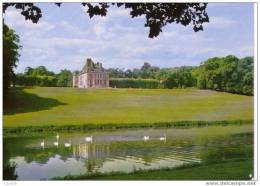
x: 92, y: 75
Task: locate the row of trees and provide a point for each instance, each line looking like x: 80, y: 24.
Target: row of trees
x: 40, y: 76
x: 145, y: 72
x: 157, y: 16
x: 229, y: 74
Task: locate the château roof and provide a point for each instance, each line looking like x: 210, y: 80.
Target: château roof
x: 90, y: 66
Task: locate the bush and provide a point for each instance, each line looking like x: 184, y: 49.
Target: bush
x: 43, y: 81
x: 134, y: 83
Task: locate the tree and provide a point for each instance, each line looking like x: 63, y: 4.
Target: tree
x: 128, y: 73
x: 228, y: 74
x: 10, y: 58
x: 157, y: 15
x: 28, y: 71
x: 145, y: 70
x: 180, y: 78
x: 38, y: 71
x: 64, y: 78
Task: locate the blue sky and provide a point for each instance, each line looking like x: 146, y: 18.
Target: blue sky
x: 66, y: 36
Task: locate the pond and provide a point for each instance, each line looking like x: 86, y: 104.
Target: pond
x: 124, y: 150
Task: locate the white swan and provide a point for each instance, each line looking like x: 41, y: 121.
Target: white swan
x: 67, y: 144
x: 146, y: 138
x: 89, y: 139
x: 163, y: 138
x: 56, y: 143
x: 42, y: 143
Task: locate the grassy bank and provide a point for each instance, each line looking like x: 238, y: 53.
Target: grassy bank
x: 45, y: 106
x: 237, y: 170
x: 29, y: 130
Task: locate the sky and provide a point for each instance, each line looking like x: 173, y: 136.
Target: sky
x: 65, y: 36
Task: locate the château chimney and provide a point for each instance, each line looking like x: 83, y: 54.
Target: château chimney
x: 89, y: 62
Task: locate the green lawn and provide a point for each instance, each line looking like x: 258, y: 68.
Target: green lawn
x: 67, y: 106
x: 239, y: 170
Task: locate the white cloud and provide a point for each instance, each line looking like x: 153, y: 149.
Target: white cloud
x: 117, y: 40
x: 99, y: 29
x: 64, y: 25
x: 119, y: 12
x: 15, y: 19
x: 219, y: 23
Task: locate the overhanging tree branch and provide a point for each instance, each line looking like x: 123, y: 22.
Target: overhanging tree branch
x: 157, y: 15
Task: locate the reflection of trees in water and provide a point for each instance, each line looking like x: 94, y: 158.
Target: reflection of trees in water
x: 151, y: 151
x: 43, y: 155
x: 9, y: 172
x: 93, y: 154
x: 232, y: 148
x: 96, y: 153
x: 14, y: 147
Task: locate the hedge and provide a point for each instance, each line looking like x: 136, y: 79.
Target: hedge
x: 134, y: 83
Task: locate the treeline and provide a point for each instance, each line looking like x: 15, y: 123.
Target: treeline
x: 40, y: 76
x: 229, y: 74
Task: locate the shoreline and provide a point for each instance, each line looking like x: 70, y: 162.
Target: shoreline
x: 217, y: 171
x: 7, y: 131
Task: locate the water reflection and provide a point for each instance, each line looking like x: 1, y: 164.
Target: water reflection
x: 118, y: 151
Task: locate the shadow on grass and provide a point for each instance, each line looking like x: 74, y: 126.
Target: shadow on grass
x: 20, y: 101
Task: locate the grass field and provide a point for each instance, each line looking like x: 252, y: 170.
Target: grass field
x: 42, y: 106
x: 239, y: 170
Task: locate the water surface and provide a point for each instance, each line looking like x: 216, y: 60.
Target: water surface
x: 123, y: 150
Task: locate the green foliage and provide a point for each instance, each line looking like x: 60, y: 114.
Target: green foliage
x: 40, y: 76
x: 29, y: 80
x: 64, y: 78
x: 152, y: 77
x: 134, y: 83
x: 10, y: 58
x: 228, y: 74
x: 180, y: 78
x: 31, y: 130
x: 38, y: 71
x: 145, y: 72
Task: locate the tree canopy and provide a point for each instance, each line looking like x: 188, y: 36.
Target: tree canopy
x: 41, y: 76
x: 157, y: 15
x: 38, y: 71
x: 228, y: 74
x: 10, y: 58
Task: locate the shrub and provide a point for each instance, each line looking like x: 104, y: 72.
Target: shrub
x: 134, y: 83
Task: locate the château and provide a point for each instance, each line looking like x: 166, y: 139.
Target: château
x: 92, y: 75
